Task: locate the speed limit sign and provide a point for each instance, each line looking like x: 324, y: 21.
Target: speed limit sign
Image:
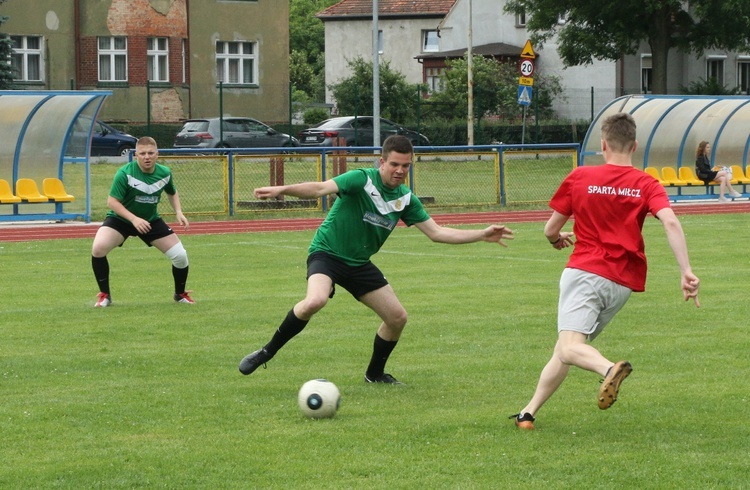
x: 527, y: 67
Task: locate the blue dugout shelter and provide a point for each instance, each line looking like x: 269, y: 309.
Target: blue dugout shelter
x: 671, y: 126
x: 46, y: 135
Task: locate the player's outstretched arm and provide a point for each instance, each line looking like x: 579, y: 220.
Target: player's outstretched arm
x: 441, y: 234
x: 305, y: 190
x: 689, y: 282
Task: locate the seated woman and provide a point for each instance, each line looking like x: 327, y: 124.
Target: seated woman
x: 707, y: 174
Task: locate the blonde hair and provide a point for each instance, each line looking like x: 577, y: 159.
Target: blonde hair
x: 146, y: 141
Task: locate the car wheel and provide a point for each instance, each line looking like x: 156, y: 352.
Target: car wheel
x: 124, y: 150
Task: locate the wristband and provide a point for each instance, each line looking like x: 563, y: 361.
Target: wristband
x: 559, y: 237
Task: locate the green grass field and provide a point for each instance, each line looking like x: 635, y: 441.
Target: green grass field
x: 146, y: 393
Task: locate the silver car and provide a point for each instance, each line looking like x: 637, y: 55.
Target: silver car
x: 236, y: 132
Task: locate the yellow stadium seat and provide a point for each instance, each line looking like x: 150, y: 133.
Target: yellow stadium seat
x: 687, y: 174
x: 54, y: 189
x: 6, y: 194
x: 669, y: 176
x: 27, y: 190
x: 738, y: 176
x: 654, y: 173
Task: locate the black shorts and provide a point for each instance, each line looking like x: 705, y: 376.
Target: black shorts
x: 358, y: 280
x: 159, y: 229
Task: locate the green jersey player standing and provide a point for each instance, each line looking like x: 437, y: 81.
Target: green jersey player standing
x: 370, y: 203
x: 132, y: 201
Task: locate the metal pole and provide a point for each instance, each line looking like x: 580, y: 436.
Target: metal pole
x: 375, y: 77
x: 470, y: 84
x: 148, y: 107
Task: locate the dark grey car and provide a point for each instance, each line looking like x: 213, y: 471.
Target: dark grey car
x: 355, y: 131
x: 236, y: 132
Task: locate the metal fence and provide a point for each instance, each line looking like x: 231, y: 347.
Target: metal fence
x: 221, y: 182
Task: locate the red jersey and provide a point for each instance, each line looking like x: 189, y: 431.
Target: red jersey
x: 609, y: 204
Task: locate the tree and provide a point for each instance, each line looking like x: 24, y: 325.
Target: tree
x: 495, y: 90
x: 609, y: 29
x: 307, y: 46
x: 398, y: 98
x: 6, y: 49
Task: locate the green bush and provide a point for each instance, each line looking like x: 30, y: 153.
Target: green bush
x: 314, y: 116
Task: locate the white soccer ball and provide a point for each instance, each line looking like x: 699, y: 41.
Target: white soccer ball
x: 319, y: 399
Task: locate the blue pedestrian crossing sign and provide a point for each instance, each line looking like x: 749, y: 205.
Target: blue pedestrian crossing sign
x: 524, y: 94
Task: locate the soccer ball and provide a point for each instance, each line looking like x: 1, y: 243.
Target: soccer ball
x: 319, y: 399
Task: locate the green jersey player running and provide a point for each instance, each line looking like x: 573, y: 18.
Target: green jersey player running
x: 370, y: 203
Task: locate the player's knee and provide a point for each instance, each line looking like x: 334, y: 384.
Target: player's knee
x: 398, y: 321
x: 178, y: 255
x: 314, y: 304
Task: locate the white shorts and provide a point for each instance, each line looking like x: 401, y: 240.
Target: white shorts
x: 588, y: 302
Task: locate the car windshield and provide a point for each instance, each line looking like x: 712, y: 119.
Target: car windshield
x: 195, y: 126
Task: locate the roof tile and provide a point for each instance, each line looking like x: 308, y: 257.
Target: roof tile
x: 353, y: 8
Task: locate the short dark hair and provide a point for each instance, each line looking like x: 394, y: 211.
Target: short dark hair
x: 618, y: 130
x: 397, y: 143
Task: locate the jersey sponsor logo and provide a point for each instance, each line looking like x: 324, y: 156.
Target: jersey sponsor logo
x: 386, y: 207
x: 147, y: 188
x: 380, y: 221
x: 147, y: 199
x: 614, y: 191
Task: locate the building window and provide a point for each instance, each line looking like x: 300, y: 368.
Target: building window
x: 430, y: 41
x: 743, y: 76
x: 158, y: 59
x: 113, y: 59
x: 521, y: 19
x: 26, y: 60
x: 646, y: 74
x: 236, y: 62
x: 434, y: 79
x: 715, y: 69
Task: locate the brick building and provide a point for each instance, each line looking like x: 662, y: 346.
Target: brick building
x: 164, y: 60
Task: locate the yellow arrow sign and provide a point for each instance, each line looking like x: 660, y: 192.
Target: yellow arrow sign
x: 528, y: 51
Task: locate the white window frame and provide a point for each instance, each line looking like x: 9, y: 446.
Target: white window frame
x: 743, y: 74
x: 232, y: 60
x: 430, y: 41
x: 521, y: 19
x: 27, y: 57
x: 112, y: 50
x: 434, y: 80
x: 715, y: 63
x: 157, y: 53
x: 647, y: 74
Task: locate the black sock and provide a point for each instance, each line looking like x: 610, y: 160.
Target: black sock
x: 180, y: 279
x: 381, y: 350
x: 290, y: 327
x: 101, y: 272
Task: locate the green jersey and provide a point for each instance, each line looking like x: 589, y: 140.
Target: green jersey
x: 140, y: 192
x: 364, y: 215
